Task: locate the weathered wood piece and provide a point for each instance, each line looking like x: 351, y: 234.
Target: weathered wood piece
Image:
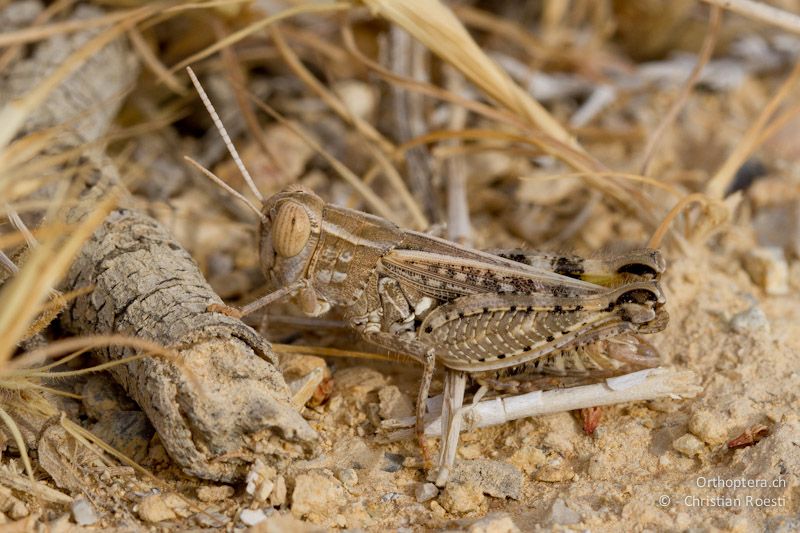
x: 224, y: 403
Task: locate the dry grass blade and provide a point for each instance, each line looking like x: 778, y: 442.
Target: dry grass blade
x: 762, y: 12
x: 13, y: 115
x: 19, y: 441
x: 154, y: 64
x: 335, y: 352
x: 56, y: 7
x: 256, y: 27
x: 719, y: 183
x: 333, y: 101
x: 703, y: 58
x: 372, y: 199
x: 47, y: 263
x: 437, y: 27
x: 37, y: 33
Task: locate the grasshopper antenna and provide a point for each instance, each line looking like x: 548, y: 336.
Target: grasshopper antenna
x: 228, y: 143
x: 216, y: 179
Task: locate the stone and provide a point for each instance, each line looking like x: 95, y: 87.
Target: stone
x: 462, y: 498
x: 709, y: 427
x: 528, y: 458
x: 393, y: 403
x: 251, y: 517
x: 555, y: 471
x: 214, y: 493
x: 768, y: 269
x: 297, y: 366
x: 127, y: 431
x: 153, y: 508
x: 689, y: 445
x: 12, y: 506
x: 425, y: 492
x: 561, y: 514
x: 494, y: 523
x: 495, y: 478
x: 358, y: 380
x: 278, y: 496
x: 83, y: 512
x: 752, y: 321
x: 259, y: 481
x: 317, y: 494
x: 392, y: 462
x: 348, y: 477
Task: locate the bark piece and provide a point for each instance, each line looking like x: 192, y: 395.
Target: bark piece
x: 221, y: 404
x: 225, y: 398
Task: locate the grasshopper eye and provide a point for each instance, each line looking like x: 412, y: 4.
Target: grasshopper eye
x: 291, y: 229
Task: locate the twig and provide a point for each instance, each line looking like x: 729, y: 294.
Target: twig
x: 649, y: 384
x: 761, y: 12
x: 406, y: 57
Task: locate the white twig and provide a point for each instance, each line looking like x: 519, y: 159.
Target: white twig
x: 648, y: 384
x: 761, y: 12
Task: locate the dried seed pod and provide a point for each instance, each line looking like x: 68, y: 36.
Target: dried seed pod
x: 291, y: 229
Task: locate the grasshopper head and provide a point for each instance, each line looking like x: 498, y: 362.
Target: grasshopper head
x: 290, y: 231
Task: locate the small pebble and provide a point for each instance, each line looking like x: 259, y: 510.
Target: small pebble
x: 495, y: 478
x: 561, y: 514
x: 348, y: 477
x: 153, y: 508
x: 259, y: 481
x: 278, y: 496
x: 751, y: 321
x: 768, y: 269
x: 251, y: 517
x: 462, y: 498
x: 425, y: 492
x: 689, y: 445
x: 316, y: 493
x: 393, y: 403
x: 392, y: 462
x: 709, y: 427
x: 214, y: 493
x: 494, y: 523
x: 390, y: 497
x: 83, y: 513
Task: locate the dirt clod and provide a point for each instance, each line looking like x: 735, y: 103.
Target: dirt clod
x: 710, y: 427
x: 462, y: 497
x: 317, y: 495
x: 212, y: 493
x: 494, y: 523
x: 154, y: 508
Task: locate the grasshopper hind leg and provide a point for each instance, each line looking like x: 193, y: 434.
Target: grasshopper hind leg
x: 422, y: 402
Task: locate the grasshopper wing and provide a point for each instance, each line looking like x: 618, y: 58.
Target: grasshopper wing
x: 446, y: 277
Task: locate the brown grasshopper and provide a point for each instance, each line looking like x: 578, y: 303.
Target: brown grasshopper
x: 486, y: 314
x: 470, y: 310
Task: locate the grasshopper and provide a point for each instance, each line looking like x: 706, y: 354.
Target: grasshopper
x: 469, y: 310
x: 486, y: 314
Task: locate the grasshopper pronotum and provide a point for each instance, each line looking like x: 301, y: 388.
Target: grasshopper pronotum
x: 485, y: 314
